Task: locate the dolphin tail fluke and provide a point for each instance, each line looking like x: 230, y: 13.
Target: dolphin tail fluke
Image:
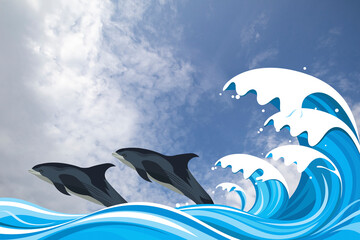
x: 205, y: 199
x: 197, y: 192
x: 202, y: 197
x: 114, y: 197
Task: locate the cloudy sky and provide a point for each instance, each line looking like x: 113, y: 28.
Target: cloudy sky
x: 81, y: 79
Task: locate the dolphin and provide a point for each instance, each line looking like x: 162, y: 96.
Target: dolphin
x: 88, y: 183
x: 169, y: 171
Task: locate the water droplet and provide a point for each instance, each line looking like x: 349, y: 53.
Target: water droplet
x: 215, y: 167
x: 261, y: 129
x: 186, y: 204
x: 315, y: 108
x: 177, y: 205
x: 289, y: 140
x: 263, y: 110
x: 336, y: 110
x: 256, y: 183
x: 237, y: 96
x: 310, y: 177
x: 262, y: 153
x: 258, y: 131
x: 232, y: 96
x: 220, y: 94
x: 304, y: 68
x: 212, y: 168
x: 325, y: 145
x: 213, y: 192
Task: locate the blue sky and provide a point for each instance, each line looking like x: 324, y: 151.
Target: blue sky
x: 80, y: 80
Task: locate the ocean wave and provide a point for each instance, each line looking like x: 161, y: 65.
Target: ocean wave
x: 325, y: 204
x: 232, y: 187
x: 290, y: 87
x: 300, y: 155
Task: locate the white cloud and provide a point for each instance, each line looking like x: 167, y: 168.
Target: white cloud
x: 329, y: 40
x: 343, y: 82
x: 335, y: 31
x: 263, y: 56
x: 79, y: 81
x: 251, y: 32
x: 320, y: 69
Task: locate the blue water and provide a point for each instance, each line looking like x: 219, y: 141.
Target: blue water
x: 324, y: 205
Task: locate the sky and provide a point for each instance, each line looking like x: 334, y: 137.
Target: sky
x: 81, y: 79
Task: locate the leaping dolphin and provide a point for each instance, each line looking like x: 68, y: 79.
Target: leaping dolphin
x: 88, y: 183
x: 170, y: 171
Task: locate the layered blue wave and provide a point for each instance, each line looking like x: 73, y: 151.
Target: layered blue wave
x: 325, y: 204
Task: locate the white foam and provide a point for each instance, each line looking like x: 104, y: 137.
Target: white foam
x: 230, y: 187
x: 249, y: 164
x: 291, y: 87
x: 315, y: 123
x: 33, y: 209
x: 300, y: 155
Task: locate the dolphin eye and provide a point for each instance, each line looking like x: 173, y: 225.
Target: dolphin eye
x: 124, y: 155
x: 41, y: 171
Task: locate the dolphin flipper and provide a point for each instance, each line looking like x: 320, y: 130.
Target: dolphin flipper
x: 60, y: 187
x: 73, y: 184
x: 156, y: 171
x: 143, y: 174
x: 82, y: 188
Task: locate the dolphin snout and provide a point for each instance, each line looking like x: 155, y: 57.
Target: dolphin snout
x: 32, y: 171
x: 118, y: 156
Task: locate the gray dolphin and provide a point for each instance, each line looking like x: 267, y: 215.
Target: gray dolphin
x: 170, y: 171
x: 88, y: 183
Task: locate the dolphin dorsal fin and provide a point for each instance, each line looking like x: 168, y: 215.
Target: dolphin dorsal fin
x: 182, y: 159
x: 99, y: 170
